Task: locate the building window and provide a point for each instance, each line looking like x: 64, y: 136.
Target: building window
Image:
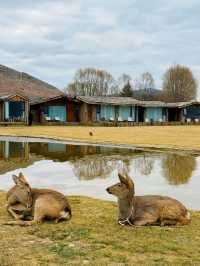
x: 57, y: 113
x: 16, y: 110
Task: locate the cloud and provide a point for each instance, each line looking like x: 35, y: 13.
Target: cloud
x: 52, y: 39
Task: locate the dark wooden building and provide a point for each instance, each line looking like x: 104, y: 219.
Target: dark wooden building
x: 61, y: 109
x: 14, y: 108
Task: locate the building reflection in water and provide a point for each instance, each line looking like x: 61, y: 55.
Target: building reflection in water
x: 14, y: 155
x: 10, y: 150
x: 89, y: 162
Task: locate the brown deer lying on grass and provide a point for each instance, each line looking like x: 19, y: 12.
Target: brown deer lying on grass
x: 22, y: 200
x: 146, y: 210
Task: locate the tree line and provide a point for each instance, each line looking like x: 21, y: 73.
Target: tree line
x: 179, y: 84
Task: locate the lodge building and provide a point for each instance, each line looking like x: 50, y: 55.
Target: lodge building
x: 64, y: 109
x: 127, y: 109
x: 23, y: 97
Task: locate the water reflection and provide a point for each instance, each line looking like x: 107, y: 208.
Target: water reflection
x: 10, y: 150
x: 178, y: 169
x: 100, y: 166
x: 90, y: 162
x: 144, y: 164
x: 15, y: 155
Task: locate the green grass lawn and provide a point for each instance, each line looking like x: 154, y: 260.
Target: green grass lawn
x: 93, y: 237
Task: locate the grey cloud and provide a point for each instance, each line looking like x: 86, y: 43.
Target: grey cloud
x: 51, y: 39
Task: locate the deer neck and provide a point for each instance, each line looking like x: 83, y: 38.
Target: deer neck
x: 126, y: 207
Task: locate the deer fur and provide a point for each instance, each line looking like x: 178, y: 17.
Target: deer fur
x: 22, y: 201
x: 146, y: 210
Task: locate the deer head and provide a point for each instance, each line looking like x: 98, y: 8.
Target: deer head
x: 22, y: 190
x: 124, y: 188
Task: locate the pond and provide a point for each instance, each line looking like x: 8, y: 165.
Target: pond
x: 88, y: 170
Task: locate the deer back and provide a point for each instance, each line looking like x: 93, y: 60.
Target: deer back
x: 160, y: 207
x: 50, y: 199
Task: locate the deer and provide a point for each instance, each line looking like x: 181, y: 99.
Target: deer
x: 40, y: 204
x: 149, y: 210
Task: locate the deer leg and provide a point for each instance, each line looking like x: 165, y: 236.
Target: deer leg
x: 64, y: 216
x: 140, y: 222
x: 38, y: 218
x: 11, y: 210
x: 24, y: 223
x: 146, y: 221
x: 169, y: 222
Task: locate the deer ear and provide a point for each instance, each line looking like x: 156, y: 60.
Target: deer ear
x: 22, y: 180
x: 21, y: 177
x: 130, y: 183
x: 15, y: 179
x: 122, y: 179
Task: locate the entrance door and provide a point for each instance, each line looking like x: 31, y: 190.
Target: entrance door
x: 174, y: 114
x: 140, y: 114
x: 90, y: 107
x: 116, y: 112
x: 70, y: 112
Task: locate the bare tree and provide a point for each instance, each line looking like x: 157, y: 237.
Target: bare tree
x: 92, y: 82
x: 179, y: 84
x: 71, y: 89
x: 144, y: 88
x: 147, y: 81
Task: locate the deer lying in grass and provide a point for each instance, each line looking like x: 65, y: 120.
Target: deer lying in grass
x: 146, y: 210
x: 22, y: 200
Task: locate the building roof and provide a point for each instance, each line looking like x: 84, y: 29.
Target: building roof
x: 152, y: 104
x: 39, y: 100
x: 15, y: 82
x: 182, y: 104
x: 107, y: 100
x: 5, y: 96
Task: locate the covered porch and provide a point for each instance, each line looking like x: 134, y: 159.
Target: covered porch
x: 97, y: 109
x: 155, y: 114
x: 14, y: 109
x: 61, y: 109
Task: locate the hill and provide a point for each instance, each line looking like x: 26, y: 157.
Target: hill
x: 12, y: 81
x: 147, y: 94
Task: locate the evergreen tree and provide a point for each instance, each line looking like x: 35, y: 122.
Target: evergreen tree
x: 127, y: 91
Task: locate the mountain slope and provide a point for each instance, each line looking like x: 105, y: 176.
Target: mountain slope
x: 12, y: 81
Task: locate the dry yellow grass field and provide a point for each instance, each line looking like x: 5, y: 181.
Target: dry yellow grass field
x: 185, y: 137
x: 93, y: 237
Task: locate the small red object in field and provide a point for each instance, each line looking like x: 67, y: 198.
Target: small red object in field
x: 90, y: 133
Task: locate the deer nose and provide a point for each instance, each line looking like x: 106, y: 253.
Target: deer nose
x: 108, y: 190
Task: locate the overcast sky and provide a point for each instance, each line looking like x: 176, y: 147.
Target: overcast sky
x: 51, y: 39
